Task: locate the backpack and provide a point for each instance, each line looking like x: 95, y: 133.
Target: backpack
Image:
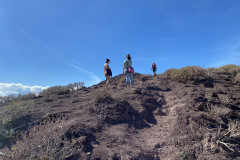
x: 130, y: 69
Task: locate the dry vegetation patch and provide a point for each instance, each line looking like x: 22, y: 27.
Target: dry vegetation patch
x: 47, y: 141
x: 208, y: 130
x: 231, y: 68
x: 188, y: 74
x: 169, y: 72
x: 198, y: 74
x: 13, y: 110
x: 62, y: 89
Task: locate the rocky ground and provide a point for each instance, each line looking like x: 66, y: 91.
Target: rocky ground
x: 156, y: 119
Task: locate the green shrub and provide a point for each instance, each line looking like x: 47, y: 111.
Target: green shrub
x: 26, y: 96
x: 6, y: 99
x: 13, y: 110
x: 15, y: 98
x: 211, y: 71
x: 231, y: 68
x: 168, y: 72
x: 189, y: 73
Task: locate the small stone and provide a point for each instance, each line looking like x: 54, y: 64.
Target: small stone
x: 157, y: 145
x: 202, y: 106
x: 108, y: 145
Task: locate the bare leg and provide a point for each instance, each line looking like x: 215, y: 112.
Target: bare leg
x: 131, y: 79
x: 107, y: 81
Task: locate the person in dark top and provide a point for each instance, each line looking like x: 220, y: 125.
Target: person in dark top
x: 107, y: 72
x: 154, y: 69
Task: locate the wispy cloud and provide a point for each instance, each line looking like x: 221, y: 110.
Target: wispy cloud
x: 228, y: 55
x: 15, y: 89
x: 34, y: 39
x: 94, y: 77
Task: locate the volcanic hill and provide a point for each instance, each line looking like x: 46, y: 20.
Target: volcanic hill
x: 157, y: 119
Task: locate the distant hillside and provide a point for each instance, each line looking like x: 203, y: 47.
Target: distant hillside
x: 182, y: 114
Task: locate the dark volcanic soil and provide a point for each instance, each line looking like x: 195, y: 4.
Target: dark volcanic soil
x: 156, y: 119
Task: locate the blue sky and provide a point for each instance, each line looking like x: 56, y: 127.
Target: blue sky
x: 56, y: 42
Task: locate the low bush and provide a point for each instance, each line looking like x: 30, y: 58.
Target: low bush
x: 211, y: 72
x: 14, y: 98
x: 53, y: 90
x: 26, y: 96
x: 13, y: 110
x: 42, y: 142
x: 229, y: 140
x: 231, y: 68
x: 168, y: 72
x: 58, y: 89
x: 196, y: 73
x: 189, y: 73
x: 6, y: 99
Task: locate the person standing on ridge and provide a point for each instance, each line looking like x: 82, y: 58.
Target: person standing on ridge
x: 128, y: 70
x: 154, y: 69
x: 107, y: 72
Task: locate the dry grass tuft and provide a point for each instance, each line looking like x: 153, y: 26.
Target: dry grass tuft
x: 230, y: 139
x: 42, y: 142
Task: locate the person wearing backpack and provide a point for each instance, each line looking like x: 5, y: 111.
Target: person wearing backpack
x: 154, y: 69
x: 107, y: 72
x: 128, y: 70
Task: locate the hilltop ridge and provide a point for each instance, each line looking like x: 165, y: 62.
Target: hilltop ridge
x: 158, y: 118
